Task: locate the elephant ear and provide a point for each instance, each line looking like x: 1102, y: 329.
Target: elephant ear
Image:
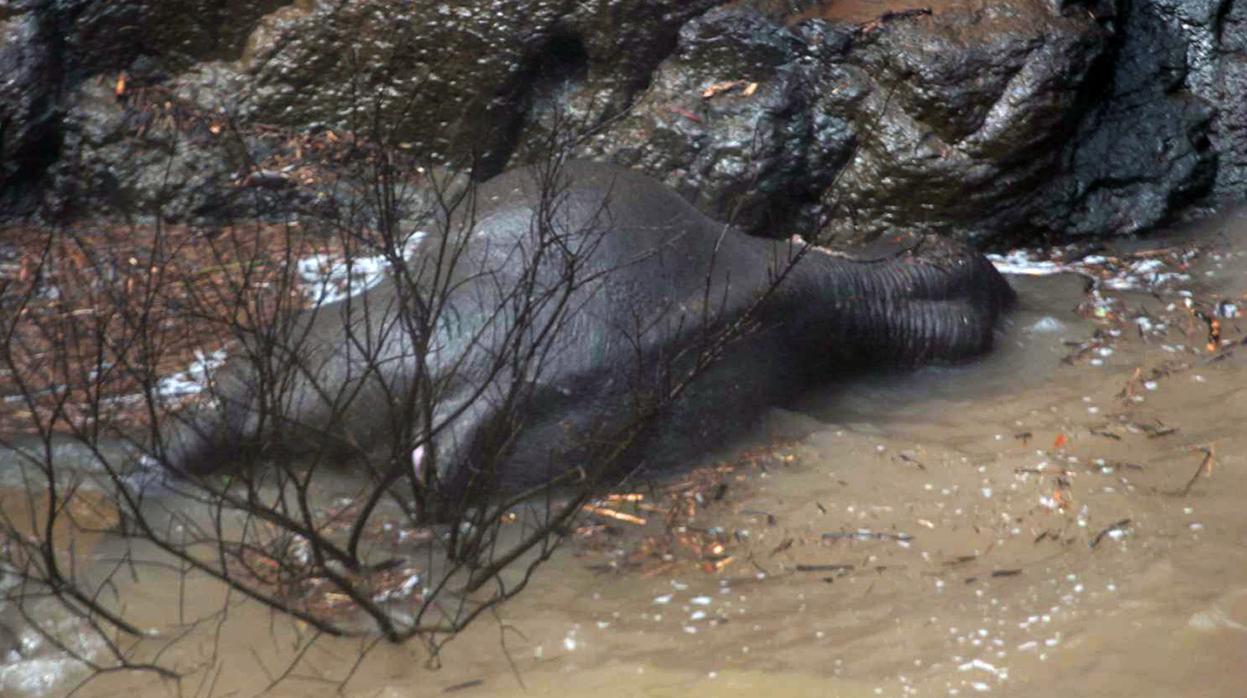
x: 541, y: 427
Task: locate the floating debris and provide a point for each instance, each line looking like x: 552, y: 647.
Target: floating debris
x: 864, y: 534
x: 1115, y: 531
x: 1205, y: 468
x: 613, y: 514
x: 838, y: 569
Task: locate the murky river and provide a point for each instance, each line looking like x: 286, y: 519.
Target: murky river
x: 1045, y: 521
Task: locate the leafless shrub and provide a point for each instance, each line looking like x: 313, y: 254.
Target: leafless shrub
x: 407, y: 533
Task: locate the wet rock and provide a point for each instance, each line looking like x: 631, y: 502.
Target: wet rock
x: 145, y: 155
x: 51, y: 51
x: 1143, y: 151
x: 135, y: 162
x: 991, y: 122
x: 967, y: 119
x: 1223, y: 82
x: 1210, y: 36
x: 28, y: 109
x: 454, y: 79
x: 747, y: 119
x: 169, y: 34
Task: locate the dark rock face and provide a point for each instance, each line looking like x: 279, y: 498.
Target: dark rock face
x: 28, y: 111
x: 993, y: 122
x: 450, y: 78
x: 134, y: 160
x: 966, y: 125
x: 1209, y: 38
x: 53, y: 112
x: 747, y: 119
x: 1224, y: 82
x: 1142, y: 151
x: 171, y: 34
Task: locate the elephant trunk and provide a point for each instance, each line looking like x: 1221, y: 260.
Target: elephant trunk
x: 899, y: 310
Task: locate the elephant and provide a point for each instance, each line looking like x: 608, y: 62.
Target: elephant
x: 586, y: 317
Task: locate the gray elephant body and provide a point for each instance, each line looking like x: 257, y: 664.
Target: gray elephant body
x: 613, y: 290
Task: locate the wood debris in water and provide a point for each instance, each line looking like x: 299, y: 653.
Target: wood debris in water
x: 863, y: 534
x: 665, y: 530
x: 1113, y: 529
x: 839, y: 570
x: 597, y: 510
x: 284, y: 564
x: 79, y: 288
x: 1204, y: 469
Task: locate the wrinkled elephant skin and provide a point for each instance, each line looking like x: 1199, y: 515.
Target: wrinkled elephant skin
x: 630, y: 282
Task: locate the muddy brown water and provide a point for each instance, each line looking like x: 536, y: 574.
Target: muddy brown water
x: 1016, y: 526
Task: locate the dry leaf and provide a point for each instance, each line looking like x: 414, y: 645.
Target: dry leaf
x: 721, y: 87
x: 746, y: 88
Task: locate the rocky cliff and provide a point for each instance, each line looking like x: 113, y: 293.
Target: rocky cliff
x: 999, y: 122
